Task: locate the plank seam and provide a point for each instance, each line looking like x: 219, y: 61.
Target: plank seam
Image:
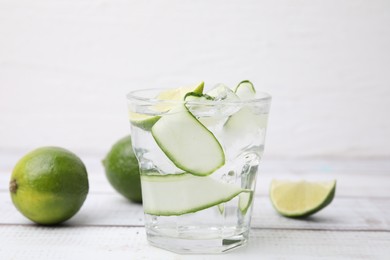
x: 141, y: 226
x: 324, y: 229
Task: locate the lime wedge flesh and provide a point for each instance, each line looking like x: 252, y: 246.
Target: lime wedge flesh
x: 177, y: 94
x: 178, y: 194
x: 301, y: 199
x: 143, y: 121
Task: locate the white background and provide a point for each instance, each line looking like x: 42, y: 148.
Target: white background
x: 66, y: 66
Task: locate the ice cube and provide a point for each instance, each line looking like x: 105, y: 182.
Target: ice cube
x: 243, y: 130
x: 222, y: 92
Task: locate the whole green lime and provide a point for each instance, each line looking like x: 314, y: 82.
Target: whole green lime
x: 49, y: 185
x: 121, y: 167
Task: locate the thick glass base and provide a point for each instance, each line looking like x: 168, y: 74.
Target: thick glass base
x: 197, y: 241
x: 209, y: 231
x: 196, y: 245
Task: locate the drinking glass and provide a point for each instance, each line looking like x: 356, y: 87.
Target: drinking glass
x: 198, y: 160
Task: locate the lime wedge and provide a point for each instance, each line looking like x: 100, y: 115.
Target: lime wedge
x: 188, y: 143
x: 143, y: 121
x: 301, y: 199
x: 147, y: 121
x: 245, y: 90
x: 178, y: 194
x: 176, y: 94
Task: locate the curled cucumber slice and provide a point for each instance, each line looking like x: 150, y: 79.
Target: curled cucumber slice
x: 245, y: 90
x: 178, y: 194
x: 245, y: 201
x: 187, y: 142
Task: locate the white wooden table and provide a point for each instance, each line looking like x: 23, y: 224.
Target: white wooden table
x: 355, y: 226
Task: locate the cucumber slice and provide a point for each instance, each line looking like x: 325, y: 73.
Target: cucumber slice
x: 202, y: 109
x: 244, y: 201
x: 194, y: 96
x: 221, y: 208
x: 178, y: 194
x: 245, y: 90
x: 243, y: 126
x: 188, y: 143
x: 212, y: 111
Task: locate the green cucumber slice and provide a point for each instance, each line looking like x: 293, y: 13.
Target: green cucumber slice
x: 209, y: 110
x: 195, y: 96
x: 245, y: 90
x: 244, y: 201
x: 201, y: 108
x: 178, y: 194
x: 246, y: 122
x: 221, y: 208
x: 187, y: 142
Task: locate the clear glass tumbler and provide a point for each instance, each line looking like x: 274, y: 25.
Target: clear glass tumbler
x: 198, y: 162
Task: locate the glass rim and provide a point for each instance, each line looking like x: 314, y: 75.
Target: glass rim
x: 132, y: 95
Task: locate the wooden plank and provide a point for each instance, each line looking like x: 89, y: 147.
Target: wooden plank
x: 356, y: 225
x: 343, y: 214
x: 298, y: 244
x: 31, y: 242
x: 98, y: 209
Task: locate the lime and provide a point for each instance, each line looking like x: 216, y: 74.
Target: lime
x: 301, y: 199
x: 49, y: 185
x: 121, y: 167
